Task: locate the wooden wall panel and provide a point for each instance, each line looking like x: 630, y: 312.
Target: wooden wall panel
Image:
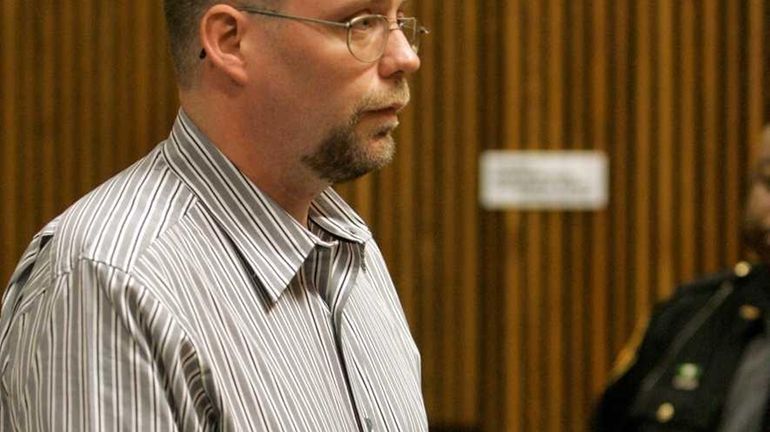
x: 518, y: 314
x: 673, y: 95
x: 591, y: 345
x: 9, y: 174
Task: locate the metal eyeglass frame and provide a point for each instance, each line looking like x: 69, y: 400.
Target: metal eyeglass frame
x: 400, y: 23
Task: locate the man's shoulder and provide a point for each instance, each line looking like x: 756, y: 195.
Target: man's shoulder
x: 704, y: 285
x: 691, y: 296
x: 115, y: 222
x: 740, y: 274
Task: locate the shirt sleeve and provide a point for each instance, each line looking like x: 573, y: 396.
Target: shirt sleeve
x: 93, y: 351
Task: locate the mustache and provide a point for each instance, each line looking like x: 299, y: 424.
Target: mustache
x: 397, y: 97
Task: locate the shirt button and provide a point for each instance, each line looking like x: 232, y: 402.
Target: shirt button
x: 742, y: 269
x: 665, y: 412
x: 749, y: 312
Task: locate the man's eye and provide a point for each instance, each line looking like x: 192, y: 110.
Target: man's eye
x: 364, y: 23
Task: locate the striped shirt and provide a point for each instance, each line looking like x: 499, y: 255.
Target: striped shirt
x: 177, y: 296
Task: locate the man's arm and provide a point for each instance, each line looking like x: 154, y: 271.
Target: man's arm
x: 92, y: 352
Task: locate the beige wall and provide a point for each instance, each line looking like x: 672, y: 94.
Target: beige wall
x: 518, y: 314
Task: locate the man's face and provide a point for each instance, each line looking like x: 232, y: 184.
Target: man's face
x: 342, y: 111
x: 363, y: 143
x: 756, y: 227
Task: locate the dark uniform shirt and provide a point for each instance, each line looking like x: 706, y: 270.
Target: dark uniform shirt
x: 681, y: 375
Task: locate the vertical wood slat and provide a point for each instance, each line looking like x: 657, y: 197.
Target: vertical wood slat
x: 575, y: 124
x: 758, y: 55
x: 142, y: 105
x: 446, y: 163
x: 619, y: 155
x: 65, y: 145
x: 553, y: 344
x: 642, y: 163
x: 125, y: 96
x: 711, y: 170
x: 467, y: 399
x: 734, y: 178
x: 406, y: 209
x: 407, y: 190
x: 688, y: 139
x: 664, y: 156
x: 9, y: 135
x: 495, y: 231
x: 534, y: 415
x: 46, y: 64
x: 597, y: 297
x: 428, y: 327
x: 29, y: 121
x: 95, y: 92
x: 513, y: 345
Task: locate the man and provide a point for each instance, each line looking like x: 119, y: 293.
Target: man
x: 704, y: 361
x: 219, y: 283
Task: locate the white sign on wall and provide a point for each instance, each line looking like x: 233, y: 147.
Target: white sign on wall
x: 544, y: 179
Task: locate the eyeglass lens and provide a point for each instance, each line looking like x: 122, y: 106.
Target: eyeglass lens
x: 368, y: 36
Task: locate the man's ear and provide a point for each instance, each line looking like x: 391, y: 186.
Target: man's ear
x: 221, y: 31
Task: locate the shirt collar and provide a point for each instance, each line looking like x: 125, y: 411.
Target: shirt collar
x: 273, y: 244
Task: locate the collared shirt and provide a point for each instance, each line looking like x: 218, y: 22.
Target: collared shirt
x: 177, y: 296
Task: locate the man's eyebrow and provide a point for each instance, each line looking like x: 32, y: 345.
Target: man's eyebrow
x: 363, y: 3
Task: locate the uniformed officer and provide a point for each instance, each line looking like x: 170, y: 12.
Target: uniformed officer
x: 702, y: 362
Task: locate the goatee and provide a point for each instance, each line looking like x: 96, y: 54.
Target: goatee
x: 345, y: 155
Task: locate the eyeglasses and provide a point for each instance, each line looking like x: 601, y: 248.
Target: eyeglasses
x: 367, y: 34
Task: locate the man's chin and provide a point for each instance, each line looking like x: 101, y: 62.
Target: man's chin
x: 353, y: 155
x: 374, y: 146
x: 381, y: 142
x: 373, y: 155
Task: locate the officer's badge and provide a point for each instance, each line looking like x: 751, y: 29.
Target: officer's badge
x: 687, y: 376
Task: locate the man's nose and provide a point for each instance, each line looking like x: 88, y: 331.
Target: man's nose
x: 399, y: 56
